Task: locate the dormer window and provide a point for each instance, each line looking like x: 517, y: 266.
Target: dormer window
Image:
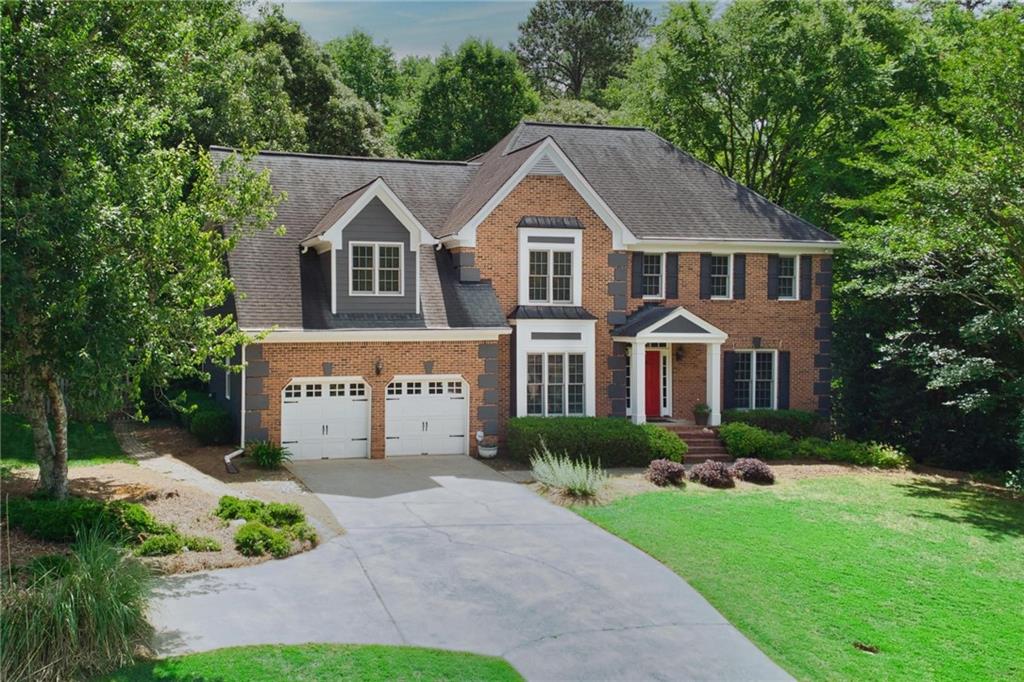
x: 375, y: 269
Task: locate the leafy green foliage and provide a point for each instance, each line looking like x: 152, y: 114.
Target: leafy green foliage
x: 572, y: 111
x: 469, y: 101
x: 89, y: 443
x: 84, y: 615
x: 257, y: 539
x: 62, y: 520
x: 884, y: 547
x: 309, y: 662
x: 614, y: 441
x: 743, y: 440
x: 212, y: 426
x: 161, y: 545
x: 368, y: 69
x: 796, y: 423
x: 267, y: 455
x: 574, y: 47
x: 271, y: 513
x: 303, y: 532
x: 575, y: 477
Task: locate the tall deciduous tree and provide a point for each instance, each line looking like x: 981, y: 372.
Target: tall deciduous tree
x: 774, y: 94
x: 467, y: 103
x: 930, y: 314
x: 572, y: 111
x: 573, y: 47
x: 110, y: 254
x: 366, y: 67
x: 337, y: 120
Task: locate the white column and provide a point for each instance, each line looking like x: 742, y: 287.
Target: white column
x: 637, y: 383
x: 714, y: 383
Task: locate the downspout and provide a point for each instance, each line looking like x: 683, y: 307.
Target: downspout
x: 228, y: 464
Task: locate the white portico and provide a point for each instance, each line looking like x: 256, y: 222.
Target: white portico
x: 659, y: 325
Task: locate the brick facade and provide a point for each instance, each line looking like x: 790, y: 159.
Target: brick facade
x: 800, y: 327
x: 272, y: 366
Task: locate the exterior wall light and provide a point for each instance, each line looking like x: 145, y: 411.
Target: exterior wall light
x: 378, y: 366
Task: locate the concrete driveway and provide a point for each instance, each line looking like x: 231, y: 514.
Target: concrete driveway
x: 445, y: 552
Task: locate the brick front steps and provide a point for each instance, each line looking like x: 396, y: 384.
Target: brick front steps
x: 702, y: 443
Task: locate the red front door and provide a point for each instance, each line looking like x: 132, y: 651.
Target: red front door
x: 652, y: 384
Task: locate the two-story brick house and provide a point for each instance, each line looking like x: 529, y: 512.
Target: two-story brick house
x: 414, y: 306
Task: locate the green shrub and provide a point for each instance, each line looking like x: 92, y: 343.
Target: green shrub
x: 811, y: 448
x: 135, y: 521
x: 795, y: 423
x: 49, y: 566
x: 278, y: 514
x: 576, y: 477
x: 303, y: 532
x: 613, y: 441
x: 257, y: 539
x: 161, y: 545
x: 230, y: 508
x: 56, y: 520
x: 865, y: 454
x: 1015, y: 478
x: 212, y: 425
x: 743, y: 440
x: 267, y: 455
x: 200, y: 543
x: 83, y: 620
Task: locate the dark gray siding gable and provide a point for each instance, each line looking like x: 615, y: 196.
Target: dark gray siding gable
x: 376, y: 224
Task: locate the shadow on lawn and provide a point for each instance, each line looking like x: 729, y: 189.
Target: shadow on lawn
x: 999, y: 517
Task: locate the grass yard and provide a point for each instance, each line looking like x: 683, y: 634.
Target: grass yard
x: 89, y: 443
x: 308, y: 662
x: 926, y: 570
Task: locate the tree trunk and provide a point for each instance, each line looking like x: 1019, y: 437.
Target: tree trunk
x: 59, y: 487
x: 35, y: 407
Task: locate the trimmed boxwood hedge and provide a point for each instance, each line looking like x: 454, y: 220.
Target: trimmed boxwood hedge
x: 743, y: 440
x: 796, y: 423
x: 204, y: 417
x: 610, y: 441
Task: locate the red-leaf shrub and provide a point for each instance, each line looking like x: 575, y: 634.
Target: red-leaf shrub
x: 753, y: 470
x: 663, y: 472
x: 712, y: 474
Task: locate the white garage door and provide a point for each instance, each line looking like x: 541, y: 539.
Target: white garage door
x: 426, y: 416
x: 326, y: 418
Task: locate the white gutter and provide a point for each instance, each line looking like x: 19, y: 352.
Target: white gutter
x: 382, y: 335
x: 241, y: 430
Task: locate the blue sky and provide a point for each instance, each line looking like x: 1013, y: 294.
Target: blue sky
x: 411, y: 27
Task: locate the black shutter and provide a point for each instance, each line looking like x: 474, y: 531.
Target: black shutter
x: 783, y: 380
x: 739, y: 276
x: 773, y: 277
x: 729, y: 385
x: 672, y: 275
x: 805, y: 278
x: 638, y: 271
x: 705, y: 275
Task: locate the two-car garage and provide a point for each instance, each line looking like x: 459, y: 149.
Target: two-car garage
x: 331, y: 417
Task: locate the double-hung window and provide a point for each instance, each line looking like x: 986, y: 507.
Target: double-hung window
x: 721, y: 276
x: 652, y: 278
x: 375, y: 269
x: 550, y: 276
x: 555, y: 384
x: 754, y: 379
x: 787, y: 278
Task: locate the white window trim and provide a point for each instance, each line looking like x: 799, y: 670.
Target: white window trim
x: 796, y: 277
x: 728, y: 278
x: 376, y: 269
x: 753, y: 375
x: 660, y: 296
x: 545, y: 354
x: 576, y: 248
x: 526, y: 345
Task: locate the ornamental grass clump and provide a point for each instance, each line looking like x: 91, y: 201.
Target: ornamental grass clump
x: 665, y: 472
x: 712, y: 474
x: 578, y: 478
x: 753, y: 470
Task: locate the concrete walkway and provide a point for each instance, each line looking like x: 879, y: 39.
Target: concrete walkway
x: 445, y: 552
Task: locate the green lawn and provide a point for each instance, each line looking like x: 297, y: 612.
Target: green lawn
x: 929, y: 572
x: 309, y: 662
x: 88, y: 443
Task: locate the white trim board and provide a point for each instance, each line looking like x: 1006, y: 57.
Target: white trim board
x: 381, y: 335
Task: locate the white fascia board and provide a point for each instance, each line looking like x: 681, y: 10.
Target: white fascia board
x: 774, y: 246
x: 378, y: 189
x: 466, y: 235
x: 381, y: 335
x: 527, y: 321
x: 713, y: 335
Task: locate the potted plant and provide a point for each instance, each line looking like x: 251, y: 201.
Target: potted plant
x: 700, y: 414
x: 488, y: 447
